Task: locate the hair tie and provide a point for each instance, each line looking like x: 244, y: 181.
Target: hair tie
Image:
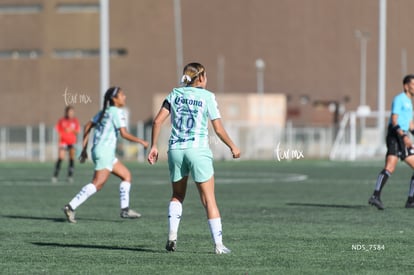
x: 115, y: 92
x: 185, y: 79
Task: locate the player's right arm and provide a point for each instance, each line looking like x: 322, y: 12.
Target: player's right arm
x: 126, y: 135
x: 86, y: 131
x: 58, y: 126
x: 156, y: 128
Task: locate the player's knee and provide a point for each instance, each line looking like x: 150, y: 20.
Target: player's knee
x: 99, y: 185
x: 389, y: 170
x: 127, y: 176
x: 178, y: 197
x: 99, y: 182
x: 390, y: 167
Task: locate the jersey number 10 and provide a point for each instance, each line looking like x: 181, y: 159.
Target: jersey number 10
x: 185, y: 124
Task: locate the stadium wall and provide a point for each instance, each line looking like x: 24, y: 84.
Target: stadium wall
x: 309, y: 47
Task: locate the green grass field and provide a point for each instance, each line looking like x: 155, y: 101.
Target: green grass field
x: 298, y: 217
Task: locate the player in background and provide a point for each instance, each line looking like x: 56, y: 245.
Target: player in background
x: 399, y: 145
x: 68, y: 128
x: 109, y: 123
x: 190, y: 108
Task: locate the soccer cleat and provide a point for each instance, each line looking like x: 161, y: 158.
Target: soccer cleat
x: 129, y: 214
x: 54, y: 180
x: 70, y: 179
x: 69, y: 213
x: 221, y: 249
x: 171, y: 245
x: 409, y: 204
x: 375, y: 201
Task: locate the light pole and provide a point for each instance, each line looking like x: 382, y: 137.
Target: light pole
x: 260, y: 67
x: 363, y: 39
x: 104, y: 48
x: 178, y: 38
x: 403, y: 61
x: 382, y: 56
x: 221, y: 62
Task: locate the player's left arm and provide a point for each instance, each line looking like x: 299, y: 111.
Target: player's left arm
x: 126, y: 135
x: 222, y: 134
x: 77, y: 127
x: 120, y: 123
x: 399, y: 132
x: 214, y: 115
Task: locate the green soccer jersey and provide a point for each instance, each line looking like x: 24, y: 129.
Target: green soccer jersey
x: 191, y: 108
x: 107, y: 131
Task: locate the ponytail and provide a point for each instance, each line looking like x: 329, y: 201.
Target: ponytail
x: 186, y: 79
x: 191, y: 72
x: 103, y: 111
x: 108, y: 101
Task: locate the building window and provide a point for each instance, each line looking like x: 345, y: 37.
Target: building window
x: 20, y: 9
x: 20, y: 54
x: 75, y: 53
x: 118, y: 52
x: 78, y: 8
x: 86, y: 53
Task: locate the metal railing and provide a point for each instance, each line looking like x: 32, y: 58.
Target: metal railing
x: 40, y: 142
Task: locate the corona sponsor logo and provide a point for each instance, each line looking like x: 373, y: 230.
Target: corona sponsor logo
x: 194, y: 102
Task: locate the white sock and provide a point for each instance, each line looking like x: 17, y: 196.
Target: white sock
x: 216, y: 230
x: 411, y: 191
x: 87, y: 191
x: 124, y: 188
x: 175, y: 211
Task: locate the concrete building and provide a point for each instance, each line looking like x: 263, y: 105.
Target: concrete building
x: 49, y: 53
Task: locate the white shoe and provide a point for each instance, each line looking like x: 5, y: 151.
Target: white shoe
x: 69, y: 213
x: 54, y: 180
x: 129, y: 214
x: 221, y: 249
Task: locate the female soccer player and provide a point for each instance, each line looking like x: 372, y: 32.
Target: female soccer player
x: 109, y: 124
x: 67, y: 128
x: 190, y: 108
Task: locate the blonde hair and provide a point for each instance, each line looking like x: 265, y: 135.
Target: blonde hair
x: 191, y: 72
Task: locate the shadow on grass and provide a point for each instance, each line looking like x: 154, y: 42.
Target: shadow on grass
x: 54, y: 219
x: 94, y: 246
x: 327, y: 205
x: 17, y: 180
x: 34, y: 218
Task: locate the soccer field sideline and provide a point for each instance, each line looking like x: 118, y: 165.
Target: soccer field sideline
x: 316, y: 223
